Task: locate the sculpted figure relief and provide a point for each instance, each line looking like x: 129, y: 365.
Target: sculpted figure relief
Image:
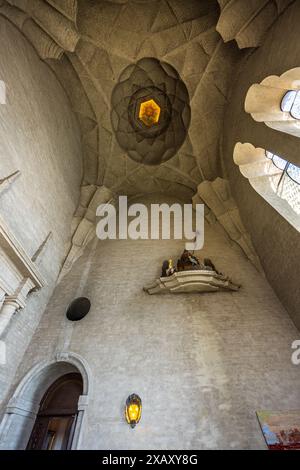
x: 190, y: 275
x: 187, y: 262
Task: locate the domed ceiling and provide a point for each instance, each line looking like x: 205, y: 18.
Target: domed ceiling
x: 96, y: 49
x: 149, y: 81
x: 150, y: 111
x: 93, y: 45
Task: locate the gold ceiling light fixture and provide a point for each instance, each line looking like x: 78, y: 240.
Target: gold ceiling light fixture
x: 149, y: 112
x: 133, y: 410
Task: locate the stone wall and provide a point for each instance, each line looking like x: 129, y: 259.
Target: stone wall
x: 276, y: 241
x: 39, y: 137
x: 202, y: 363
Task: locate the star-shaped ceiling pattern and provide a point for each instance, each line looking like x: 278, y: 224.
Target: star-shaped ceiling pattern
x: 181, y: 33
x: 96, y: 40
x: 150, y: 111
x: 89, y: 43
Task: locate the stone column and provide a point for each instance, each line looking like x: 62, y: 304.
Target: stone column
x: 13, y: 303
x: 10, y: 306
x: 79, y: 428
x: 20, y: 414
x: 2, y: 297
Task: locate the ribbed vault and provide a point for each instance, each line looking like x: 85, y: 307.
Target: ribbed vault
x: 88, y: 44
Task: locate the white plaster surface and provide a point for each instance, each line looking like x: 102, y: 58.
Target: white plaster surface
x: 39, y: 136
x: 202, y: 363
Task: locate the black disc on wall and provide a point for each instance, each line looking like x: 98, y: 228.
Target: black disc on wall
x: 78, y: 309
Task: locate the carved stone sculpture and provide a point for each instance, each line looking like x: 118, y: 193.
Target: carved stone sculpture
x: 191, y: 281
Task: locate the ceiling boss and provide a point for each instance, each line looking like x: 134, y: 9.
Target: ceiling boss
x: 149, y: 112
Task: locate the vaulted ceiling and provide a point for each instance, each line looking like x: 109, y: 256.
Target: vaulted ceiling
x: 114, y: 35
x: 89, y: 43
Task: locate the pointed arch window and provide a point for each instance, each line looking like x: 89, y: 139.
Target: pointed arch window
x: 276, y: 102
x: 290, y: 103
x: 276, y: 179
x: 288, y: 169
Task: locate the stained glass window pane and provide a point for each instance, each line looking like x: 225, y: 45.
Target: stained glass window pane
x: 269, y: 154
x: 294, y: 172
x: 288, y: 100
x: 279, y: 162
x: 295, y: 111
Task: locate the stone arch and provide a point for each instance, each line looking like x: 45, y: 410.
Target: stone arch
x: 264, y: 101
x: 248, y: 24
x: 264, y: 177
x: 23, y: 406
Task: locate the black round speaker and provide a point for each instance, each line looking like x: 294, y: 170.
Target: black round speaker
x: 78, y: 309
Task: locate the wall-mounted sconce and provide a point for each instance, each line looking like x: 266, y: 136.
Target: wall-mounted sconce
x: 133, y: 409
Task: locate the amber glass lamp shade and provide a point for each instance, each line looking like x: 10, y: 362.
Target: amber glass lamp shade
x: 149, y: 112
x: 133, y: 410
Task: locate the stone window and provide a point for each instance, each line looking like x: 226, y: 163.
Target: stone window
x: 290, y: 103
x: 273, y: 177
x: 286, y: 184
x: 276, y: 102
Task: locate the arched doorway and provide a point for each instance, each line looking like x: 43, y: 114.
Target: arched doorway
x: 24, y: 405
x: 56, y: 420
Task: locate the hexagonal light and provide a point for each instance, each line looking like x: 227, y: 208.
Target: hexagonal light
x: 149, y: 112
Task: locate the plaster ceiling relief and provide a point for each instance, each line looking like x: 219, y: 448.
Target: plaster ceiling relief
x: 154, y: 87
x: 248, y: 22
x: 111, y: 56
x: 95, y: 41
